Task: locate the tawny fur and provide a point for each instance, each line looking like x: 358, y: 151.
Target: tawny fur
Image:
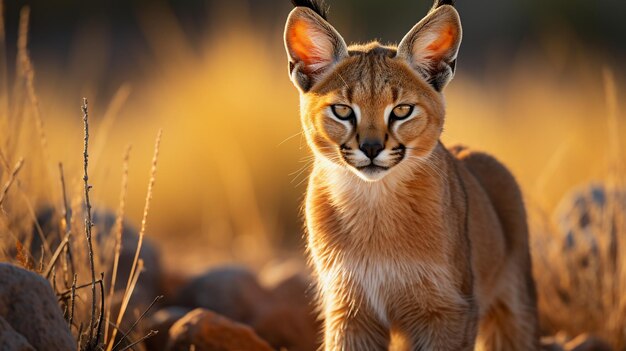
x: 434, y: 254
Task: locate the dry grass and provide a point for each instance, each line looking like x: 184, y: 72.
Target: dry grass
x: 580, y: 252
x: 226, y: 169
x: 62, y: 248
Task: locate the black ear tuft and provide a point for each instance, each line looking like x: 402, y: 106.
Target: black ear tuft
x: 439, y: 3
x: 316, y: 5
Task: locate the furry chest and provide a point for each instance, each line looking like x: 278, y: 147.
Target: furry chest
x: 379, y: 284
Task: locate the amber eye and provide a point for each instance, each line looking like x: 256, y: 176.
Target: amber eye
x: 401, y: 111
x: 343, y: 112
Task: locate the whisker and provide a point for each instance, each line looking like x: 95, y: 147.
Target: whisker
x: 289, y: 138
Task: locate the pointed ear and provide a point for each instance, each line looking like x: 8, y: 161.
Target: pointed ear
x: 432, y: 45
x: 313, y: 47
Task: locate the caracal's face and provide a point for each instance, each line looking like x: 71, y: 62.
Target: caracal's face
x: 372, y: 113
x: 372, y: 109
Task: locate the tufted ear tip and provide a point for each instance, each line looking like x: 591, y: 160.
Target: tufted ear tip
x: 439, y: 3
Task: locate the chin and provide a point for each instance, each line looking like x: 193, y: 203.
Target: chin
x: 371, y: 173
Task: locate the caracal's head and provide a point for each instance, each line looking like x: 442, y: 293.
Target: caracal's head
x: 371, y: 108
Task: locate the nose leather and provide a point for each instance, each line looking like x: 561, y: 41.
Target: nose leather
x: 371, y: 148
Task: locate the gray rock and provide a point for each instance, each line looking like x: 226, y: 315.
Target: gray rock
x: 12, y: 340
x: 29, y: 306
x: 233, y: 292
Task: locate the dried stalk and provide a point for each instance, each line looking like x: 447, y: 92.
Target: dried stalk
x: 127, y: 295
x: 7, y: 185
x: 89, y: 225
x: 101, y: 317
x: 134, y: 270
x: 119, y: 226
x: 67, y: 226
x: 147, y: 336
x: 72, y: 300
x: 55, y: 256
x: 156, y: 299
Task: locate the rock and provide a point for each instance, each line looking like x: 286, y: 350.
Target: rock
x: 290, y: 322
x: 12, y: 340
x: 162, y: 321
x: 208, y: 331
x: 29, y: 306
x: 232, y: 292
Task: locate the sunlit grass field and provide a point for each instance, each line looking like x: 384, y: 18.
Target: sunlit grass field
x: 231, y: 173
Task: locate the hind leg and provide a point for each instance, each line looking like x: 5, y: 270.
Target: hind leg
x: 511, y: 322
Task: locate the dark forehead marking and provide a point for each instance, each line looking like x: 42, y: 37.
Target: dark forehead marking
x: 372, y: 62
x: 394, y: 93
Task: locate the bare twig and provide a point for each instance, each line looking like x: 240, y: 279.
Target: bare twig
x: 7, y: 185
x: 147, y: 336
x: 41, y: 258
x: 67, y: 224
x: 156, y: 299
x: 55, y: 256
x: 64, y: 294
x: 119, y: 226
x: 88, y: 223
x: 101, y: 317
x: 72, y: 300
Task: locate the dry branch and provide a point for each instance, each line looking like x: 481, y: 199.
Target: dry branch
x: 7, y: 185
x: 89, y: 226
x: 147, y: 336
x: 67, y: 225
x: 156, y: 299
x: 72, y: 300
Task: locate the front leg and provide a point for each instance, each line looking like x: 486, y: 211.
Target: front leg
x: 352, y: 328
x: 441, y: 326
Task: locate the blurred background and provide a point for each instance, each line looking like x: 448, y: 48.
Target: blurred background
x: 531, y: 88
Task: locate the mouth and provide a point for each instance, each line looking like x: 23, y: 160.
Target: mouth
x: 372, y: 168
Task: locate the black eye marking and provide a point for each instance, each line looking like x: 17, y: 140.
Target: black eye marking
x: 401, y: 112
x: 343, y: 112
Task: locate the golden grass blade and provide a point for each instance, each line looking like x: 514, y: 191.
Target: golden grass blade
x: 134, y: 268
x: 119, y: 226
x: 132, y: 282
